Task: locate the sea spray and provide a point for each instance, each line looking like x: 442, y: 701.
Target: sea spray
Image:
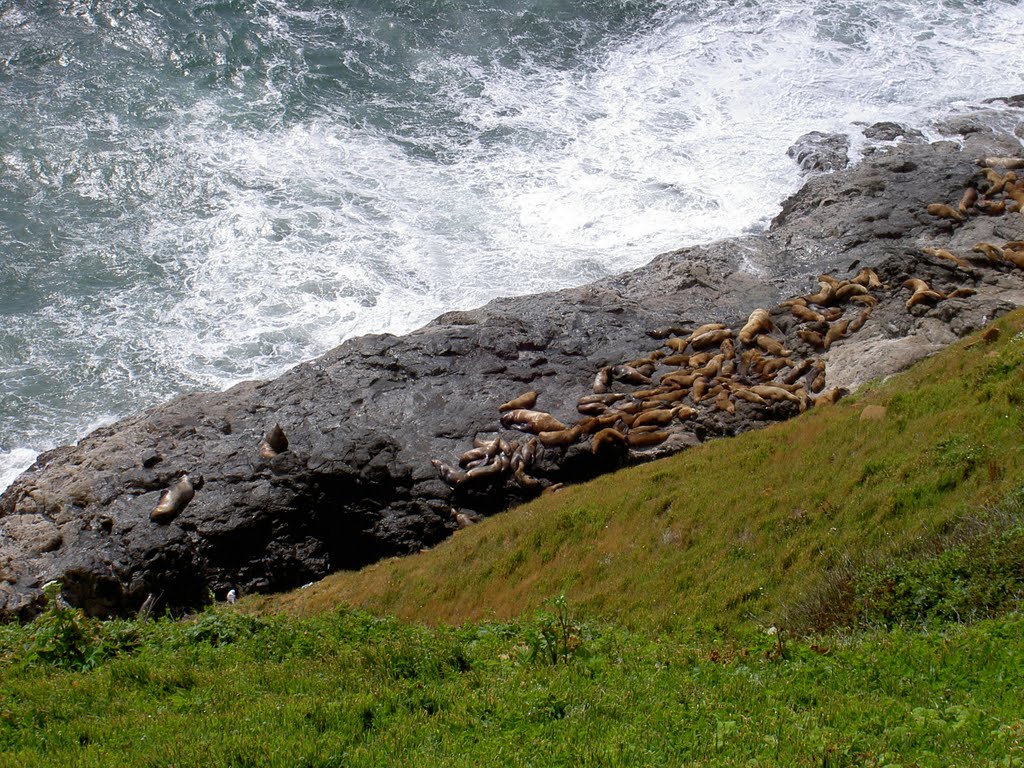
x: 197, y: 193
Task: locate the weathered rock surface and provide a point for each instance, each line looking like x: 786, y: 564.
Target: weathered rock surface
x: 364, y: 421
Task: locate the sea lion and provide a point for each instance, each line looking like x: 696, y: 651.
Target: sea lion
x: 759, y: 321
x: 836, y: 332
x: 805, y: 314
x: 607, y: 438
x: 706, y: 328
x: 453, y: 477
x: 464, y: 520
x: 591, y: 409
x: 531, y: 421
x: 989, y: 251
x: 857, y: 324
x: 699, y: 389
x: 867, y: 300
x: 561, y: 437
x: 274, y: 442
x: 682, y: 380
x: 173, y: 500
x: 485, y: 452
x: 645, y: 439
x: 701, y: 359
x: 713, y: 366
x: 831, y: 397
x: 942, y: 253
x: 670, y: 396
x: 817, y: 374
x: 1015, y: 163
x: 1014, y: 257
x: 824, y: 295
x: 742, y: 393
x: 961, y: 293
x: 605, y: 399
x: 771, y: 367
x: 813, y: 338
x: 991, y: 207
x: 676, y: 360
x: 799, y: 370
x: 921, y: 296
x: 921, y: 292
x: 629, y: 375
x: 678, y: 345
x: 710, y: 338
x: 868, y: 278
x: 529, y: 482
x: 943, y: 211
x: 602, y: 380
x: 772, y: 346
x: 775, y: 394
x: 487, y: 471
x: 525, y: 400
x: 848, y: 290
x: 970, y: 197
x: 658, y: 417
x: 724, y: 403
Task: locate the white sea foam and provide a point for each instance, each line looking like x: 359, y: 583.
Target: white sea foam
x: 256, y: 243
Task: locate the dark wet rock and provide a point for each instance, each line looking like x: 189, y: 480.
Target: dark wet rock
x: 887, y: 131
x: 821, y: 152
x: 363, y: 422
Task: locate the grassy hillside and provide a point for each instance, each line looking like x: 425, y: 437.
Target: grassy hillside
x: 772, y: 527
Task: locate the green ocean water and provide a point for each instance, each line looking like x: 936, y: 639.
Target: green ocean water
x: 196, y: 193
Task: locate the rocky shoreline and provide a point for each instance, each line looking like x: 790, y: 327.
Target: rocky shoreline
x: 363, y: 423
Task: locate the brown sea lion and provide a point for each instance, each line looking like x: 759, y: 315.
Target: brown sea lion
x: 173, y: 500
x: 607, y: 438
x: 759, y: 321
x: 710, y: 338
x: 824, y: 295
x: 274, y: 442
x: 970, y: 197
x: 868, y: 278
x: 835, y: 332
x: 805, y: 314
x: 645, y: 439
x: 848, y: 290
x: 531, y: 421
x: 629, y: 375
x: 943, y: 211
x: 942, y: 253
x: 772, y: 346
x: 525, y: 400
x: 813, y: 338
x: 560, y: 437
x: 989, y: 251
x: 1010, y: 162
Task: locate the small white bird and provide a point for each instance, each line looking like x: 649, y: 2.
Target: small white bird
x: 232, y: 596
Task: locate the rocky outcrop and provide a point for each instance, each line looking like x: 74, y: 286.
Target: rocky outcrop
x: 355, y: 481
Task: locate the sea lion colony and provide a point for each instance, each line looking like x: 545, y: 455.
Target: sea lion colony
x: 770, y: 368
x: 705, y: 381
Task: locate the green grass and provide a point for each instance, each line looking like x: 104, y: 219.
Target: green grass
x: 345, y: 688
x: 832, y: 591
x: 770, y: 527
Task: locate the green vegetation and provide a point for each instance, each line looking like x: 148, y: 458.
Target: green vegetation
x: 837, y: 590
x: 348, y: 689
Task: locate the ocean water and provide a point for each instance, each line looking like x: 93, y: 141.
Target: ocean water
x: 196, y: 193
